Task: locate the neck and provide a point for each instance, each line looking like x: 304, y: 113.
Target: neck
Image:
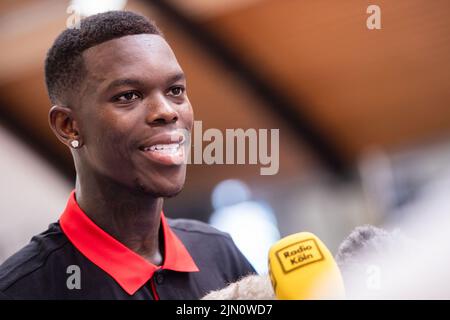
x: 131, y: 217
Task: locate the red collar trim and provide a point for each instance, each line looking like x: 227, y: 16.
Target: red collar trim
x: 130, y: 270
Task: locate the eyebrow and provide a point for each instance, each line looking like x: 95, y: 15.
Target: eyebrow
x: 136, y: 82
x: 176, y: 77
x: 123, y: 82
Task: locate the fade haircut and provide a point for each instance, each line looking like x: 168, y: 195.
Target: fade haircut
x: 64, y: 67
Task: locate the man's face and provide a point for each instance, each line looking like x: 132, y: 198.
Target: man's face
x: 132, y: 112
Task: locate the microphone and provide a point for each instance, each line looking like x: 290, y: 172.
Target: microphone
x: 252, y: 287
x: 374, y: 262
x: 302, y: 268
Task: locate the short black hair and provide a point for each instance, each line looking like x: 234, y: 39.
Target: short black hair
x: 64, y: 68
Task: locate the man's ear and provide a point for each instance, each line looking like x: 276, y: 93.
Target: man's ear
x: 64, y: 126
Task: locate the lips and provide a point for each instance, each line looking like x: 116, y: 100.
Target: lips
x: 166, y: 148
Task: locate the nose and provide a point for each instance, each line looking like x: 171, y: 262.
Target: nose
x: 161, y: 112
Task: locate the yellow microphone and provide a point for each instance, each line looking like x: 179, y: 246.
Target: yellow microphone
x: 302, y: 268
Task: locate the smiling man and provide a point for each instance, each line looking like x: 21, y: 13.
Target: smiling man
x: 120, y: 104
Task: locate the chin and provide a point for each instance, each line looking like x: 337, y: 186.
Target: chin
x: 167, y: 190
x: 165, y: 183
x: 171, y: 194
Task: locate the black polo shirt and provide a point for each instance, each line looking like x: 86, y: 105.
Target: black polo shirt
x: 75, y: 259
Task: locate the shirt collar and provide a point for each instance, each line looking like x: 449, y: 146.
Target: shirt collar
x: 130, y: 270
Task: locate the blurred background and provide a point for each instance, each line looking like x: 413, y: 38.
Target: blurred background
x: 364, y: 115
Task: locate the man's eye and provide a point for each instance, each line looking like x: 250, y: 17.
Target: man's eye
x: 127, y: 97
x: 176, y: 91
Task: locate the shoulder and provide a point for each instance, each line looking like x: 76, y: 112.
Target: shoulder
x: 210, y: 246
x: 198, y: 228
x: 4, y: 296
x: 200, y: 233
x: 31, y: 257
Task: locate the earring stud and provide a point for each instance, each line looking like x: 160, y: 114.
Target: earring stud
x: 75, y: 144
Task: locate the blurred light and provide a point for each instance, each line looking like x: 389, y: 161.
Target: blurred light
x: 89, y: 7
x: 230, y: 192
x: 252, y: 225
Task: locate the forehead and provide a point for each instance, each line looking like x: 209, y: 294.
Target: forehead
x: 130, y: 55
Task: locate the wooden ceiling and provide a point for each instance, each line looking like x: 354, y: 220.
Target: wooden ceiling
x: 388, y: 87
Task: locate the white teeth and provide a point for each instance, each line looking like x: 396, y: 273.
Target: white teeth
x: 164, y: 148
